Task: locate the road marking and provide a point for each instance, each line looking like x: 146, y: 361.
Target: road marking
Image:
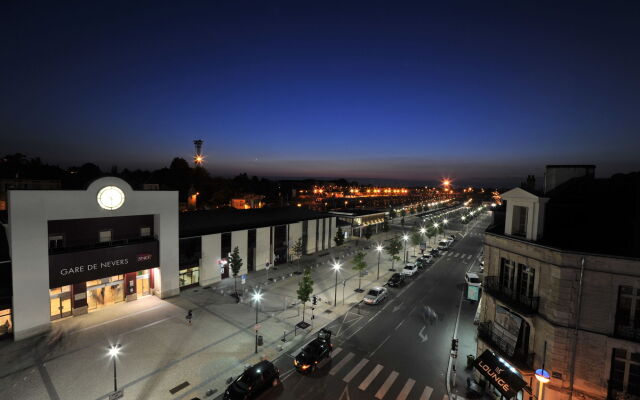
x: 406, y: 389
x: 424, y: 337
x: 355, y: 370
x: 380, y: 345
x: 399, y: 306
x: 458, y: 254
x: 336, y: 351
x: 345, y: 394
x: 469, y: 256
x: 341, y: 364
x: 427, y: 393
x: 386, y: 385
x: 401, y: 322
x: 372, y: 375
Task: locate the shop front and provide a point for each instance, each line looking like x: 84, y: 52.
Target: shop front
x: 86, y: 281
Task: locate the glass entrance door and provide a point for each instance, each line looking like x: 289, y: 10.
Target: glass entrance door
x: 61, y: 306
x: 104, y: 295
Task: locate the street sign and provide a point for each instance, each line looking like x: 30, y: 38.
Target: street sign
x: 473, y: 292
x: 118, y: 394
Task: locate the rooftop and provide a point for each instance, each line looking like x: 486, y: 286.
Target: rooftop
x: 198, y: 223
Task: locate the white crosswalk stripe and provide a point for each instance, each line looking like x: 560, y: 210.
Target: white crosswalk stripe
x: 469, y: 256
x: 355, y: 370
x: 406, y: 389
x: 341, y: 364
x: 427, y: 393
x: 458, y: 254
x: 372, y: 375
x: 386, y: 385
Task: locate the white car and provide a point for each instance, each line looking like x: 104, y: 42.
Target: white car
x: 444, y: 244
x: 376, y: 295
x: 472, y: 279
x: 410, y: 269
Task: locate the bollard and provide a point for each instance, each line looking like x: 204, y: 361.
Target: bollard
x: 284, y: 337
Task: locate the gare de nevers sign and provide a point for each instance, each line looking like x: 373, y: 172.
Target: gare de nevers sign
x: 86, y: 265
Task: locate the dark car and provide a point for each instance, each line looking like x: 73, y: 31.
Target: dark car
x: 396, y: 280
x: 318, y: 350
x: 435, y: 252
x: 253, y: 382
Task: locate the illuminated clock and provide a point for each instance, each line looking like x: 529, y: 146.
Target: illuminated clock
x: 110, y: 197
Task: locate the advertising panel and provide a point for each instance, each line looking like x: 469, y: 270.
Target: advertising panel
x: 81, y: 266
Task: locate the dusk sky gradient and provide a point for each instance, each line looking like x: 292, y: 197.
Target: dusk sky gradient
x: 372, y: 89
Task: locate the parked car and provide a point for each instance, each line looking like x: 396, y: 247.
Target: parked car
x: 482, y: 266
x: 435, y: 252
x: 314, y: 353
x: 443, y: 245
x: 376, y: 295
x: 452, y: 238
x: 427, y: 258
x: 253, y: 382
x: 472, y: 279
x: 409, y: 270
x: 396, y: 280
x: 421, y: 263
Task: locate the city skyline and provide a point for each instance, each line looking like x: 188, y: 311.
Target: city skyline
x: 364, y: 91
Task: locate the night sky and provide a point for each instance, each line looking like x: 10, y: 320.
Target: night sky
x: 373, y: 89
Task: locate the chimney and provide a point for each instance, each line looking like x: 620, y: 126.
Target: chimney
x: 556, y: 175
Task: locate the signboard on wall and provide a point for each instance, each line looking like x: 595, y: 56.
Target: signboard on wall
x: 81, y: 266
x: 500, y: 375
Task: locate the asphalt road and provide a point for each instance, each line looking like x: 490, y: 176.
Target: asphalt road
x: 390, y: 351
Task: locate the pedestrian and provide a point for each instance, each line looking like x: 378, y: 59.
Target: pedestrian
x: 189, y: 316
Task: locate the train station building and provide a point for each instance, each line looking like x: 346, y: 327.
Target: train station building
x: 64, y: 253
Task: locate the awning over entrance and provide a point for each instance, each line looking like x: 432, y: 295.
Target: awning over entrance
x: 499, y: 374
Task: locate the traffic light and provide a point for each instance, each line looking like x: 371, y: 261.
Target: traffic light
x: 454, y: 344
x: 314, y: 299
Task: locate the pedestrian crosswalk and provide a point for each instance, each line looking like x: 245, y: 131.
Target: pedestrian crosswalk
x: 376, y: 379
x: 455, y: 254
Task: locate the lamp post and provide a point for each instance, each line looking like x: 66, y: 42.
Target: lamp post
x: 405, y: 237
x: 336, y: 267
x: 435, y: 225
x: 379, y: 249
x: 444, y: 225
x: 257, y: 296
x: 541, y: 374
x: 114, y: 350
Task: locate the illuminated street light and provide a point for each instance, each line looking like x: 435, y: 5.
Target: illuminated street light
x: 256, y: 297
x: 336, y: 267
x: 405, y: 237
x: 379, y: 249
x: 114, y: 350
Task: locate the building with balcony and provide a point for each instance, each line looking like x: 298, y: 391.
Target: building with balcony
x: 563, y: 274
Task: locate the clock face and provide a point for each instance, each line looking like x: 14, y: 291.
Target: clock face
x: 110, y: 197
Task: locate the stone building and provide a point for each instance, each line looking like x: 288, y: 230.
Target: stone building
x: 563, y: 274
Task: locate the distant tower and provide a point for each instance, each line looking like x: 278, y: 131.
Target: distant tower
x: 198, y: 157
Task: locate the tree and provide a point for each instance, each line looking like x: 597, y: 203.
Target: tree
x: 385, y: 226
x: 305, y: 288
x: 392, y: 213
x: 416, y: 239
x: 431, y: 232
x: 393, y: 249
x: 412, y: 211
x: 359, y: 264
x: 367, y: 233
x: 339, y: 238
x: 235, y: 263
x: 298, y: 250
x: 403, y: 212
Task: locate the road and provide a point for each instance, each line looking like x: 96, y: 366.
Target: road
x: 389, y: 351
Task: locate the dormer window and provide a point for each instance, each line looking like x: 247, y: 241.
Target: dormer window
x: 519, y: 227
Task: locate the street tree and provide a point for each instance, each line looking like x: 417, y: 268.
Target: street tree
x: 403, y: 213
x: 305, y: 288
x: 297, y: 250
x: 393, y: 249
x: 385, y: 226
x: 235, y: 263
x: 339, y: 238
x: 359, y: 265
x: 416, y: 239
x: 431, y: 232
x: 367, y: 233
x: 392, y: 213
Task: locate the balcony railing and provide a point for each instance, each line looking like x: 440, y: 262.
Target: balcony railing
x: 526, y: 305
x: 523, y: 361
x: 615, y: 392
x: 628, y: 332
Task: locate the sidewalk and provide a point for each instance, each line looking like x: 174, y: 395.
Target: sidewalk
x: 161, y: 351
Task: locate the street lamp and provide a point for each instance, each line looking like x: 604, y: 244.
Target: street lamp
x: 379, y: 249
x: 336, y: 267
x: 256, y: 297
x: 444, y: 224
x: 435, y: 225
x: 405, y: 237
x: 114, y: 350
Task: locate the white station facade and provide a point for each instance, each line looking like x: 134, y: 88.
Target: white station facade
x: 71, y: 252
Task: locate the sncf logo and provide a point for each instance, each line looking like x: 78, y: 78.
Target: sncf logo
x: 144, y: 257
